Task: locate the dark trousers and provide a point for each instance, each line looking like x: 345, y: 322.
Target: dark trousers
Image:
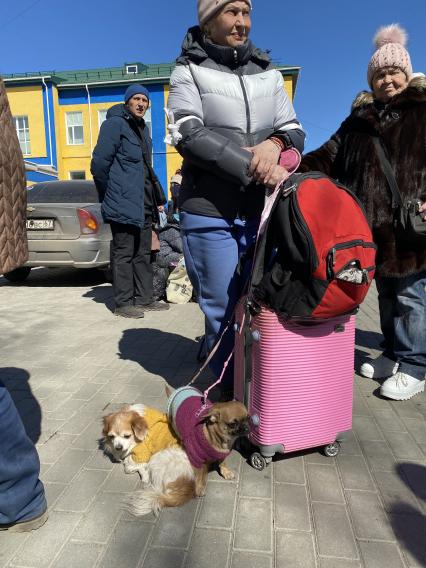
x: 21, y: 492
x: 131, y: 263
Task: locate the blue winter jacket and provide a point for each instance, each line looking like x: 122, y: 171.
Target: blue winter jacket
x: 118, y: 170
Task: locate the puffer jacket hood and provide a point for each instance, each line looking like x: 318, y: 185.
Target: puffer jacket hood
x: 197, y: 48
x: 13, y: 197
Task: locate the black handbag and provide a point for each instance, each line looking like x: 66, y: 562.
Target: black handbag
x: 410, y: 229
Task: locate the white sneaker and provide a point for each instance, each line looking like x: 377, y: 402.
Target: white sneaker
x: 401, y: 387
x: 379, y: 368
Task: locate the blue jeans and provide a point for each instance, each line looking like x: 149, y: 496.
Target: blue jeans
x: 21, y: 492
x: 402, y: 304
x: 212, y: 248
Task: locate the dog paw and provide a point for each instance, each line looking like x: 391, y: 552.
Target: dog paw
x: 226, y: 473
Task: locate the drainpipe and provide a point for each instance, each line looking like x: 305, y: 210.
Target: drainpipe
x: 90, y: 119
x: 48, y: 123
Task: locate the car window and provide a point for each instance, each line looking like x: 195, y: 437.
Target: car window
x: 63, y: 192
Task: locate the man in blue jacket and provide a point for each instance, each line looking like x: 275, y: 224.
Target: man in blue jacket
x: 132, y: 197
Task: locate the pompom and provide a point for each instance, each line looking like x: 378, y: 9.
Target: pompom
x: 390, y: 34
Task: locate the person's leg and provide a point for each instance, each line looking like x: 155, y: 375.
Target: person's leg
x: 386, y: 364
x: 410, y: 338
x: 142, y: 265
x: 410, y: 325
x: 122, y: 252
x: 212, y: 247
x: 22, y: 496
x: 387, y: 309
x: 211, y: 256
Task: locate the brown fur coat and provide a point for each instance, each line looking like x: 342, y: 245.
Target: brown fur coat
x: 13, y: 198
x: 349, y: 156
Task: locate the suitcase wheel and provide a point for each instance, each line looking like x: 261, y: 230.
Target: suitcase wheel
x: 258, y: 461
x: 332, y: 450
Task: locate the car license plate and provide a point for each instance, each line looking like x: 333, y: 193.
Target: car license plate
x: 40, y: 224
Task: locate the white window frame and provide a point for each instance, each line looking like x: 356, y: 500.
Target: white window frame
x: 148, y: 120
x: 76, y: 172
x: 100, y: 122
x: 71, y: 142
x: 128, y: 67
x: 25, y: 144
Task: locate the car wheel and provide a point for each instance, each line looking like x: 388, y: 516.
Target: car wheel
x: 18, y: 275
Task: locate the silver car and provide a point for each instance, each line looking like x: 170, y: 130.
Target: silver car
x: 64, y: 228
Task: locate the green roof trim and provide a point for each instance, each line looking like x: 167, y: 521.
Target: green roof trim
x: 147, y: 73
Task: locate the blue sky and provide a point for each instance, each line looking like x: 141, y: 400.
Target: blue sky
x: 330, y: 39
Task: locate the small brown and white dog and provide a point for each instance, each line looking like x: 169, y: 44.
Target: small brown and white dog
x: 169, y: 477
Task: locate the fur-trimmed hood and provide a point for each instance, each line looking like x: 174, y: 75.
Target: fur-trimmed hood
x: 416, y: 87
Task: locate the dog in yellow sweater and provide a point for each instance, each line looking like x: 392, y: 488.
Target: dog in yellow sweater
x: 142, y: 439
x: 135, y: 433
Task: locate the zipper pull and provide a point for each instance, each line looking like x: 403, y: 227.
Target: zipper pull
x: 333, y: 257
x: 235, y: 57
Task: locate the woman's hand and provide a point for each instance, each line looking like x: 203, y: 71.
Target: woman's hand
x: 422, y: 211
x: 275, y: 176
x: 160, y: 208
x: 265, y: 158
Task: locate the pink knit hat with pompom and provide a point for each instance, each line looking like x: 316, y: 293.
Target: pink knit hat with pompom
x: 390, y: 51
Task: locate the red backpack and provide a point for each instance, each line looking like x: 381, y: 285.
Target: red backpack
x: 315, y: 259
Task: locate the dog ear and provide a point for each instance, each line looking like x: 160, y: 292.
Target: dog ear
x: 139, y: 427
x: 106, y: 424
x: 212, y: 417
x: 169, y: 390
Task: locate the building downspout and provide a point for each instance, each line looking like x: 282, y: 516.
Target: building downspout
x: 48, y: 123
x: 90, y: 119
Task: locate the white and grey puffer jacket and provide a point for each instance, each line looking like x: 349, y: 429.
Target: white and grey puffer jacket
x: 224, y: 100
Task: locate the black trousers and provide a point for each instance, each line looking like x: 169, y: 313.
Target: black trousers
x: 131, y: 263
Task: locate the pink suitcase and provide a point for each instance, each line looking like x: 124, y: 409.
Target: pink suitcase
x: 296, y: 380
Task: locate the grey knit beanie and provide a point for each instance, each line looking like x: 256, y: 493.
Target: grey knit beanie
x: 208, y: 8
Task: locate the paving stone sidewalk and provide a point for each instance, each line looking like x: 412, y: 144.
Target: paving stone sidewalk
x: 67, y: 361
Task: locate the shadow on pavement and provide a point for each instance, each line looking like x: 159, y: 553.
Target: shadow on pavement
x: 408, y: 522
x: 16, y: 382
x: 161, y: 353
x: 369, y: 339
x: 102, y: 295
x: 57, y: 277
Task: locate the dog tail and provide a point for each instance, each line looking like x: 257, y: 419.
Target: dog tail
x: 177, y: 493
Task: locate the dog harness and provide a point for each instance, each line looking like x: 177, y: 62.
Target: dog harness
x: 188, y: 423
x: 158, y: 437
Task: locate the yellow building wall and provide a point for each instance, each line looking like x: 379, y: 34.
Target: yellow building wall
x: 174, y: 159
x: 78, y: 157
x: 28, y: 101
x: 288, y: 85
x: 57, y: 130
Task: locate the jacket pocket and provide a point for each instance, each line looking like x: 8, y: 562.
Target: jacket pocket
x: 131, y: 149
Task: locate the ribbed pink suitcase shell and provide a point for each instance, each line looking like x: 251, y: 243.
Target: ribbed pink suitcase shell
x: 302, y: 380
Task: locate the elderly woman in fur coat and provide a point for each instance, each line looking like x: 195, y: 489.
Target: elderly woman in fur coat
x: 395, y: 110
